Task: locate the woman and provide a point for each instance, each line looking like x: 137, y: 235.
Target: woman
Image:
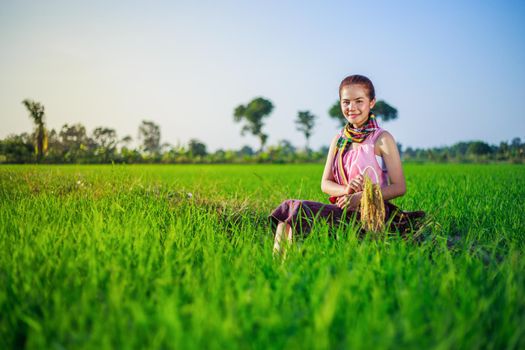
x: 360, y: 148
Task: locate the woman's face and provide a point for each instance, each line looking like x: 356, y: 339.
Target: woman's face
x: 355, y: 104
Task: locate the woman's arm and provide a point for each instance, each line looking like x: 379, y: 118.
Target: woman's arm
x: 328, y: 184
x: 388, y: 149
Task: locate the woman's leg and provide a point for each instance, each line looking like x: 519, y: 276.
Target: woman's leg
x: 283, y: 229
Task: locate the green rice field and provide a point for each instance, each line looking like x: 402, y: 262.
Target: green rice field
x: 180, y: 257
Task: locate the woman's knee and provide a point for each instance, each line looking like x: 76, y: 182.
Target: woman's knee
x: 289, y: 203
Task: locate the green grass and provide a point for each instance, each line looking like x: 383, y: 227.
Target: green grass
x: 120, y: 257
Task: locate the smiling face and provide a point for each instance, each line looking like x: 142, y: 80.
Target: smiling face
x: 356, y: 104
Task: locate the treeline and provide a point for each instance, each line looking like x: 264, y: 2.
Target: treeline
x: 73, y: 144
x: 472, y: 151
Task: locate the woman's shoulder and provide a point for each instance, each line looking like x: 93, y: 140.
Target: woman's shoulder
x: 382, y: 134
x: 384, y: 139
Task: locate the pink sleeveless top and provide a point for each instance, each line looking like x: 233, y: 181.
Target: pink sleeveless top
x: 361, y: 160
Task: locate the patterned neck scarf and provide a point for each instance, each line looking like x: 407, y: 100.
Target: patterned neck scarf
x: 351, y: 134
x: 358, y: 135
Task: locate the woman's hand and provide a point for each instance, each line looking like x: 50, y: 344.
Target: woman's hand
x: 355, y: 185
x: 350, y: 201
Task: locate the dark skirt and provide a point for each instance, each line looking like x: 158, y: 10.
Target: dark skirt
x: 302, y: 214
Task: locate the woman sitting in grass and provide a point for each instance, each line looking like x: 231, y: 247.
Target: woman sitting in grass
x: 361, y: 149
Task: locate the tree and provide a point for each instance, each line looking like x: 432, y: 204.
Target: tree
x: 384, y: 111
x: 459, y: 149
x: 503, y: 149
x: 409, y: 152
x: 197, y: 148
x: 105, y: 137
x: 105, y: 142
x: 336, y: 113
x: 286, y: 147
x: 125, y: 141
x: 37, y: 113
x: 515, y: 143
x: 305, y: 123
x: 149, y: 133
x: 54, y: 149
x: 283, y: 152
x: 253, y: 114
x: 400, y: 148
x: 381, y: 110
x: 74, y: 142
x: 16, y: 149
x: 245, y: 151
x: 478, y: 148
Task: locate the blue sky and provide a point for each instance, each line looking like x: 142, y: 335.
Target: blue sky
x: 453, y: 69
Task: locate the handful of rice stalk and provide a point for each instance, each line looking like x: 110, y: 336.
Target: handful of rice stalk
x: 372, y: 207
